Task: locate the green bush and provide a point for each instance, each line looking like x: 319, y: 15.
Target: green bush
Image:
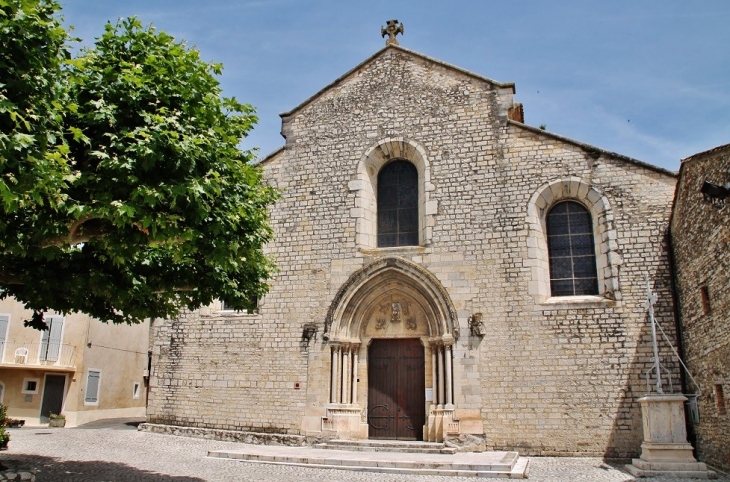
x: 4, y: 435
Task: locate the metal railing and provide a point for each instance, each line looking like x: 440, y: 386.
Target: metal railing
x: 38, y: 354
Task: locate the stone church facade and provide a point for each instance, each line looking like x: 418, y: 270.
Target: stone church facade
x: 447, y: 272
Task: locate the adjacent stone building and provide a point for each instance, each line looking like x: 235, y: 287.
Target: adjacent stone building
x: 700, y: 230
x: 446, y: 272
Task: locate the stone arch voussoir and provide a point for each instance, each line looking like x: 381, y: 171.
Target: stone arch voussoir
x: 341, y: 314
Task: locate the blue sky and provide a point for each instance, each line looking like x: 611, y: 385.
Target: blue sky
x: 648, y: 79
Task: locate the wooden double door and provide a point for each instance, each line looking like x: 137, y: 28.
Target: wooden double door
x: 396, y: 389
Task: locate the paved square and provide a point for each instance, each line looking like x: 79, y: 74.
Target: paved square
x: 115, y: 451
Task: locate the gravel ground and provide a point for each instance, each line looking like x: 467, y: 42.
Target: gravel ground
x: 115, y: 451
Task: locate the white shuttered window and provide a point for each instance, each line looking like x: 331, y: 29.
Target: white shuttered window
x: 92, y: 387
x: 4, y: 319
x: 51, y: 338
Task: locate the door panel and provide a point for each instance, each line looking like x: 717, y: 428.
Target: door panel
x: 382, y: 391
x: 411, y: 397
x: 396, y: 399
x: 52, y: 396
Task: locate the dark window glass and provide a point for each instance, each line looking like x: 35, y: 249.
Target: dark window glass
x: 228, y: 307
x: 571, y: 250
x: 398, y: 205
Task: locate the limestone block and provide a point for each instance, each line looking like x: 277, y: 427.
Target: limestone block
x: 431, y: 207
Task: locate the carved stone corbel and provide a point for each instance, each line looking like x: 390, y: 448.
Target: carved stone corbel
x: 476, y: 325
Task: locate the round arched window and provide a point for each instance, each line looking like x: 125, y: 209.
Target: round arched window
x: 571, y: 250
x: 398, y: 205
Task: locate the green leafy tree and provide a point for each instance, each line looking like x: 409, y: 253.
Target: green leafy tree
x: 138, y: 201
x: 32, y: 52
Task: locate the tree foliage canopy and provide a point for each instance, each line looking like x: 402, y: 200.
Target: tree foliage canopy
x: 123, y: 191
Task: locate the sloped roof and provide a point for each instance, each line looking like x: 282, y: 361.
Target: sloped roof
x: 708, y: 151
x: 378, y: 54
x: 268, y: 157
x: 481, y: 78
x: 588, y: 147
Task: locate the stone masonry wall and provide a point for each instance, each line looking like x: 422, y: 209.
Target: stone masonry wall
x: 553, y: 376
x: 573, y: 370
x: 701, y: 242
x: 217, y: 369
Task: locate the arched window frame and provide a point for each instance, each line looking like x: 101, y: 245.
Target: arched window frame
x: 574, y: 217
x: 364, y: 186
x: 396, y: 181
x: 608, y: 259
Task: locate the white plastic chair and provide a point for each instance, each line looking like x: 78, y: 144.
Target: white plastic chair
x: 21, y: 356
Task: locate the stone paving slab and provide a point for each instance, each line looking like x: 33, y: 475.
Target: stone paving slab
x: 121, y: 455
x: 483, y: 459
x: 485, y: 464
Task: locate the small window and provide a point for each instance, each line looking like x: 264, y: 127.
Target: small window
x: 30, y: 385
x: 135, y: 390
x: 92, y: 387
x: 226, y: 307
x: 398, y: 205
x: 705, y: 295
x: 720, y: 400
x: 571, y: 250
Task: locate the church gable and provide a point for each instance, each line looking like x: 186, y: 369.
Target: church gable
x: 393, y: 88
x: 388, y: 50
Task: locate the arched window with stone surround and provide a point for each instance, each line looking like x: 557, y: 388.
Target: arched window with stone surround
x: 605, y: 248
x: 397, y: 205
x: 571, y: 250
x: 364, y: 186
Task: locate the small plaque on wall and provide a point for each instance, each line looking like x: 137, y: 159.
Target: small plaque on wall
x: 429, y: 394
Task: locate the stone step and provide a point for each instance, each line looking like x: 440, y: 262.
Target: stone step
x: 485, y: 464
x: 387, y: 446
x: 689, y: 470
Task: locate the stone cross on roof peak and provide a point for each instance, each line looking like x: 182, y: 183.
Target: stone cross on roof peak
x: 392, y: 29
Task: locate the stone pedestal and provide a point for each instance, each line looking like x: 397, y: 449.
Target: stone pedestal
x: 665, y: 451
x: 344, y: 421
x: 440, y: 423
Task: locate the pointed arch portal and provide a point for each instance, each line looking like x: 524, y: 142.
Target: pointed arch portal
x: 390, y: 320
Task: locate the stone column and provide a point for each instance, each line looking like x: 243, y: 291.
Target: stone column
x: 333, y: 374
x: 449, y: 378
x: 345, y: 374
x: 355, y: 349
x: 441, y: 375
x: 434, y: 377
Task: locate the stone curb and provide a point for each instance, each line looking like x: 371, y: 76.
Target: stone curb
x: 253, y: 438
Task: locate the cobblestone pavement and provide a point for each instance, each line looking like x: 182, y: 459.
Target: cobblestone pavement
x: 117, y: 452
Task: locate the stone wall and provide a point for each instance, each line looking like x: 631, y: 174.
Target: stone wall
x: 222, y: 370
x: 701, y: 242
x: 550, y: 376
